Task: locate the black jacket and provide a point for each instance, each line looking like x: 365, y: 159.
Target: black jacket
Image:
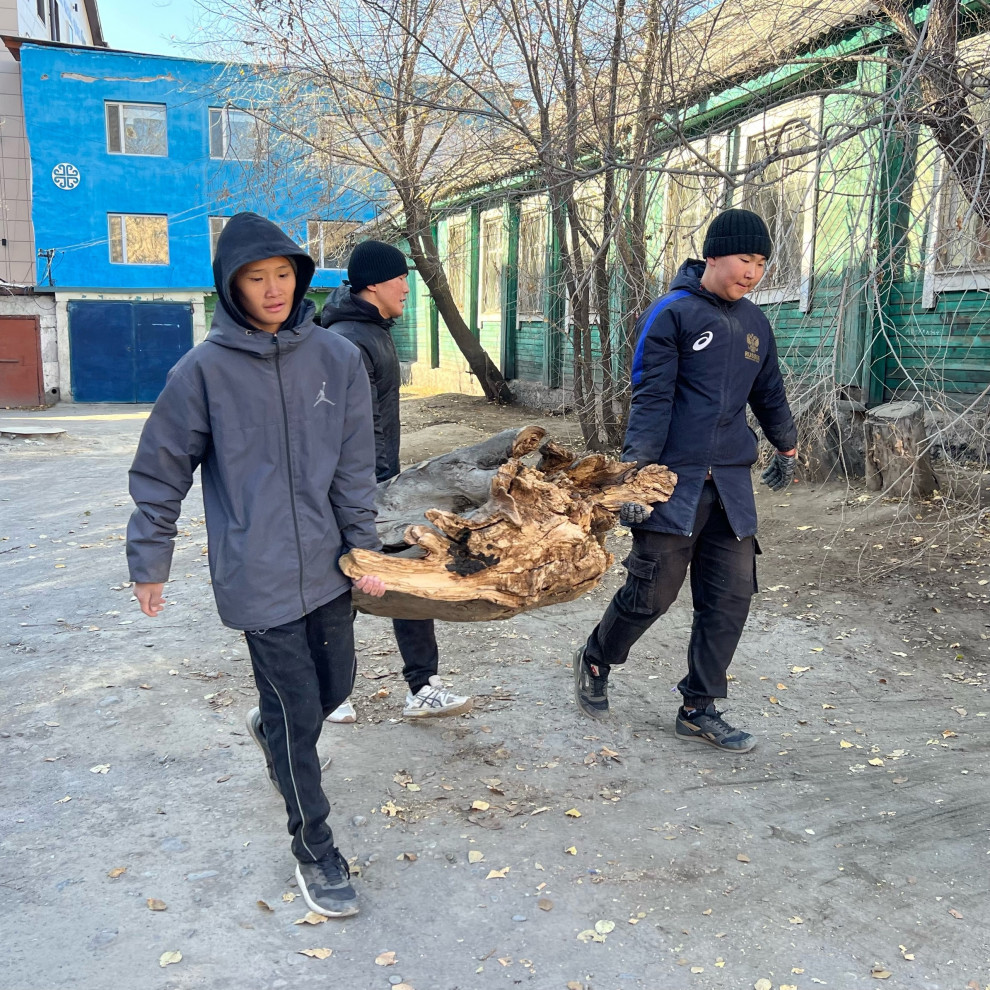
x: 280, y: 425
x: 699, y: 360
x: 361, y: 323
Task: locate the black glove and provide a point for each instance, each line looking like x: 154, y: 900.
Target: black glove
x: 633, y: 513
x: 780, y: 473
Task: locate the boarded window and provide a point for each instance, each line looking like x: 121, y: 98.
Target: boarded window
x: 776, y: 191
x: 492, y: 250
x: 236, y: 134
x: 329, y: 242
x: 136, y: 129
x: 457, y: 262
x: 138, y: 239
x: 531, y: 292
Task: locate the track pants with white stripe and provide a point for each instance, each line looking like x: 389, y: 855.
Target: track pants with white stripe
x: 303, y: 671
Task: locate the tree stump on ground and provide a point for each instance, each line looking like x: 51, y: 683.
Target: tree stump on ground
x: 897, y: 460
x: 535, y: 536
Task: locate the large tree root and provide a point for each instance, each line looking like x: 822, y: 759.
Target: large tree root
x: 536, y: 536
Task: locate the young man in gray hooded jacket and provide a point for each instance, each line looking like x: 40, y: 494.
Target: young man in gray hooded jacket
x: 276, y: 413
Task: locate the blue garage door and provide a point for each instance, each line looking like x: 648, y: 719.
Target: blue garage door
x: 122, y: 351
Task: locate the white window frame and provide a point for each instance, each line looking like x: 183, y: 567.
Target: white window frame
x: 536, y: 206
x: 315, y: 241
x: 460, y: 221
x: 224, y: 117
x: 217, y: 223
x: 714, y: 149
x: 488, y: 217
x: 809, y: 110
x: 123, y: 239
x: 119, y: 106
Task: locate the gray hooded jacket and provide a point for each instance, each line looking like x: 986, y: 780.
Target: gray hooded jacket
x: 281, y: 427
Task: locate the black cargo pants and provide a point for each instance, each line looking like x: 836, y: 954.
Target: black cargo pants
x: 303, y: 671
x: 723, y: 580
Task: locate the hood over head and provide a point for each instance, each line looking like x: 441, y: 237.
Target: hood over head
x: 249, y: 237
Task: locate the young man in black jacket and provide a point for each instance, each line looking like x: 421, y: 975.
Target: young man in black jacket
x: 364, y: 311
x: 704, y: 353
x: 276, y: 413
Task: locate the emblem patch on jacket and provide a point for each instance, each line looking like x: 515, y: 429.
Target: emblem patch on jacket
x: 752, y: 347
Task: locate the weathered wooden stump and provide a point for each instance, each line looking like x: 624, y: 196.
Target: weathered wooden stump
x: 533, y: 536
x: 897, y: 460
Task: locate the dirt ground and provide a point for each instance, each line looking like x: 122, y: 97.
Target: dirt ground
x: 521, y: 844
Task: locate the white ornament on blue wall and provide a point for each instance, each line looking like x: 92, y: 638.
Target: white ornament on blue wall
x: 65, y: 175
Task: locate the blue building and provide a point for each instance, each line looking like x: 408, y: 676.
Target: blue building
x: 137, y: 163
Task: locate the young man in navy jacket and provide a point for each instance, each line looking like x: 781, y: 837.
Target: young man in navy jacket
x: 276, y: 413
x: 704, y: 353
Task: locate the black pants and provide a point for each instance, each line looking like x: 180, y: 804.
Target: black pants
x: 417, y: 640
x: 303, y: 671
x: 723, y: 580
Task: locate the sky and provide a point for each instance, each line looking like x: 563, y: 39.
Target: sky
x: 160, y: 27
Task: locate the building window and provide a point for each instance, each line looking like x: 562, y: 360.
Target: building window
x: 138, y: 239
x: 777, y: 187
x: 235, y: 134
x: 41, y: 9
x: 136, y: 129
x: 492, y: 251
x: 329, y: 242
x: 456, y: 261
x: 532, y: 260
x: 56, y: 26
x: 692, y: 198
x: 216, y: 228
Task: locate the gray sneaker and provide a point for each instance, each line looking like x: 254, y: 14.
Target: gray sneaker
x: 256, y: 730
x: 433, y: 700
x: 590, y: 686
x: 709, y: 727
x: 326, y: 886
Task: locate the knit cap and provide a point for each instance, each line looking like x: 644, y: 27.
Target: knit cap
x: 372, y: 262
x: 737, y: 232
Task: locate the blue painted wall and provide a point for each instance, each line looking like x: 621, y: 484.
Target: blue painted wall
x: 64, y: 94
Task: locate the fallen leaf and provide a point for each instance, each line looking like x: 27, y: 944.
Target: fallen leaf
x: 590, y: 935
x: 827, y: 707
x: 224, y: 778
x: 876, y: 762
x: 154, y: 904
x: 817, y: 649
x: 773, y: 700
x: 574, y: 813
x: 105, y: 767
x: 604, y: 927
x: 743, y: 858
x: 905, y: 954
x: 168, y: 958
x: 407, y: 857
x: 697, y: 969
x: 843, y: 744
x: 571, y: 850
x: 497, y: 874
x: 316, y: 953
x: 539, y: 811
x: 385, y: 959
x: 391, y: 809
x: 545, y: 904
x: 796, y: 920
x: 289, y: 896
x: 799, y: 670
x: 762, y: 984
x: 949, y: 734
x: 955, y: 913
x: 475, y: 855
x: 117, y: 871
x: 310, y: 918
x: 505, y: 961
x: 264, y: 905
x: 707, y: 911
x: 574, y: 985
x: 880, y: 974
x: 480, y: 805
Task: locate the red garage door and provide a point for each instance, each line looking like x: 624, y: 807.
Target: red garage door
x: 21, y: 381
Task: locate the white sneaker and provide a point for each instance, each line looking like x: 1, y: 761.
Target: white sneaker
x: 433, y: 701
x: 343, y: 713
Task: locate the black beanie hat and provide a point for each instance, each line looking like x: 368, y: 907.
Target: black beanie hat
x: 737, y: 232
x: 372, y: 262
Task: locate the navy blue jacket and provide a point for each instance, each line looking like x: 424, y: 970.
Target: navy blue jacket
x: 699, y: 360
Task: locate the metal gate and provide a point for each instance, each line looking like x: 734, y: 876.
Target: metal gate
x: 122, y: 351
x: 22, y: 382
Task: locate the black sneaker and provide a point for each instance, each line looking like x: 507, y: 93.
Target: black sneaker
x: 256, y: 731
x: 325, y: 886
x: 708, y: 726
x: 590, y: 686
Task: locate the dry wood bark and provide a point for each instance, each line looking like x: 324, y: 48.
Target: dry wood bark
x: 538, y: 537
x: 897, y: 458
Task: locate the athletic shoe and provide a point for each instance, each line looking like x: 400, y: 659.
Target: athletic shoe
x: 344, y: 712
x: 325, y: 886
x: 434, y: 701
x: 708, y: 726
x: 256, y: 731
x: 590, y: 686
